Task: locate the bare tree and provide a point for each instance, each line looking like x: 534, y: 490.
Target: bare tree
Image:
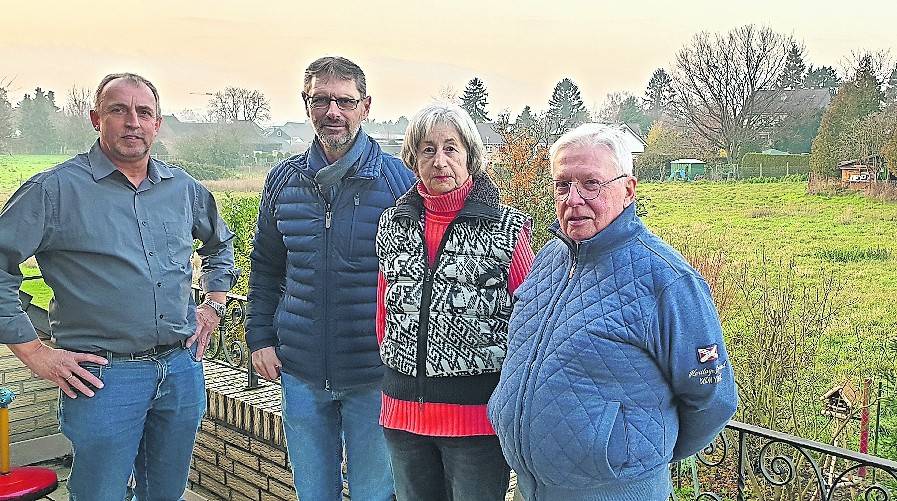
x: 79, y: 101
x: 234, y: 104
x: 864, y: 64
x: 73, y: 124
x: 725, y: 84
x: 447, y: 93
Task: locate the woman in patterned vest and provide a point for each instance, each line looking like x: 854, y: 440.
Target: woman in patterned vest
x: 451, y: 256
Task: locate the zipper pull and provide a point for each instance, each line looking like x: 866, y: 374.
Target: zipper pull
x: 328, y: 217
x: 574, y: 257
x: 327, y: 384
x: 357, y: 200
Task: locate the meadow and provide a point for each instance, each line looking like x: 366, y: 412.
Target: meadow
x: 16, y: 169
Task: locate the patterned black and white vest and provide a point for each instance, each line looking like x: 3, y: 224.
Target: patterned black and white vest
x: 462, y: 304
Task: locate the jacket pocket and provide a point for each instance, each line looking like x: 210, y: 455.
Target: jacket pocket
x: 179, y: 241
x: 577, y: 454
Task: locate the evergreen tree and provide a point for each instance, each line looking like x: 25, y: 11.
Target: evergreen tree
x: 565, y: 108
x: 792, y: 76
x: 632, y: 112
x: 823, y: 77
x: 37, y: 122
x: 525, y: 120
x: 474, y: 100
x: 855, y: 100
x: 659, y: 93
x: 5, y: 121
x: 868, y: 96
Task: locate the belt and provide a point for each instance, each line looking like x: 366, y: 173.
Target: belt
x: 155, y: 351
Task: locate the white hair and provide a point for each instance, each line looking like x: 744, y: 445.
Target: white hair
x: 595, y: 135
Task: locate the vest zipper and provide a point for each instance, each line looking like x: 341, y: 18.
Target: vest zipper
x: 426, y: 297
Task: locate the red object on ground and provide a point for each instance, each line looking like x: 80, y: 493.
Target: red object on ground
x: 864, y: 424
x: 27, y: 483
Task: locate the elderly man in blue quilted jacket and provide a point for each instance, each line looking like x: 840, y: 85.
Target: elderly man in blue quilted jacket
x: 313, y: 290
x: 616, y: 364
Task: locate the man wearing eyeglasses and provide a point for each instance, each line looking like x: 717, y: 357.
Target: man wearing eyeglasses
x: 616, y: 363
x: 312, y: 289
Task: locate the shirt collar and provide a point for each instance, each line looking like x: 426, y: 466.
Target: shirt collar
x: 101, y: 166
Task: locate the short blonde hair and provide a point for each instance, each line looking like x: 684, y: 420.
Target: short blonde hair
x: 444, y: 114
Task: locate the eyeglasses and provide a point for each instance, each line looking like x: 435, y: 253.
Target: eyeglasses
x: 322, y: 102
x: 589, y: 189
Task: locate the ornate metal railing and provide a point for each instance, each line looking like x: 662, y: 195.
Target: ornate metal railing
x: 747, y: 462
x: 228, y: 343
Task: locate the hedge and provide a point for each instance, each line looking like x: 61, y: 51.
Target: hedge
x: 764, y: 165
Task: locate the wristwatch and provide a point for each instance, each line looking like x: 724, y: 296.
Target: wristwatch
x: 218, y: 308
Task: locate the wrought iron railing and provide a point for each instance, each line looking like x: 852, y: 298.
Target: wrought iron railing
x: 228, y: 343
x: 747, y: 462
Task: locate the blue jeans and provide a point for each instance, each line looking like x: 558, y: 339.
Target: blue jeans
x: 448, y: 468
x: 317, y: 423
x: 143, y: 421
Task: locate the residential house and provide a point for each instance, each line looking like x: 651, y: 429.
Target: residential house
x: 174, y: 131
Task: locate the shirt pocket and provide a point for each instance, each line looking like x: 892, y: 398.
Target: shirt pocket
x: 179, y: 240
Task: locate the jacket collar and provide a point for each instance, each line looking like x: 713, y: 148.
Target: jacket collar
x: 482, y: 202
x: 368, y: 165
x: 621, y: 230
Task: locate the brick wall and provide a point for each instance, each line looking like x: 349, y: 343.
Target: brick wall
x: 240, y: 453
x: 33, y: 412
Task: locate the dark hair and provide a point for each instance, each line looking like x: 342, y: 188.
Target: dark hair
x: 335, y: 66
x: 133, y: 77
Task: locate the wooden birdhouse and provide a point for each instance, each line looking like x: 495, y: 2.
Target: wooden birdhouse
x: 840, y: 401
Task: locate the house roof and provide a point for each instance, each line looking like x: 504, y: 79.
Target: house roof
x: 631, y: 138
x: 688, y: 161
x: 871, y: 160
x: 489, y: 135
x: 297, y: 130
x: 173, y: 130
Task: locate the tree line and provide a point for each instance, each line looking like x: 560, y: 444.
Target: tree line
x: 730, y: 93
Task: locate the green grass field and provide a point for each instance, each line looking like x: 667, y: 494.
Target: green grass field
x: 851, y: 236
x: 15, y: 169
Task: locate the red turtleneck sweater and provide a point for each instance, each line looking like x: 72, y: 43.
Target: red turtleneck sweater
x: 440, y: 419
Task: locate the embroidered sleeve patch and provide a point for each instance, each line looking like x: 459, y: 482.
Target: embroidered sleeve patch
x: 708, y: 353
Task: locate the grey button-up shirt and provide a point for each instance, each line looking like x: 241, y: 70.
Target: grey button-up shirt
x: 116, y: 257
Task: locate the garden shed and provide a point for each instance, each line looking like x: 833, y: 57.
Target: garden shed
x: 861, y: 170
x: 687, y: 169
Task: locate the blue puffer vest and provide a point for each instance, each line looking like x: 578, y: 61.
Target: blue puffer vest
x: 599, y: 391
x: 313, y: 283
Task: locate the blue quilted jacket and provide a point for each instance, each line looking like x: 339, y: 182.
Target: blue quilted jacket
x: 313, y: 282
x: 615, y: 366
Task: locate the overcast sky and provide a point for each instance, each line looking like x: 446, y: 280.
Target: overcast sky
x: 409, y: 50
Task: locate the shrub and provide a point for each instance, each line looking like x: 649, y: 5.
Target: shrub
x: 240, y: 213
x: 203, y: 172
x: 853, y: 255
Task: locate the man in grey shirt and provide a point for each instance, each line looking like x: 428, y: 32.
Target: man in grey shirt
x: 112, y: 231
